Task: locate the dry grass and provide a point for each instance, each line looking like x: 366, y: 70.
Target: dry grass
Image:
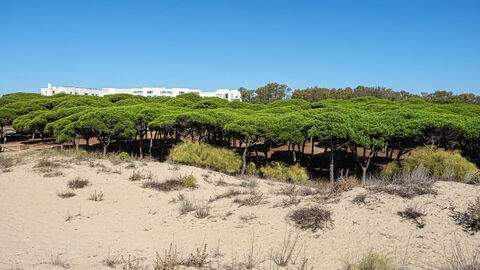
x: 372, y: 261
x: 202, y: 211
x: 198, y: 258
x: 169, y: 261
x: 230, y: 193
x: 360, y: 199
x: 470, y: 219
x: 53, y: 174
x: 286, y: 252
x: 96, y: 196
x: 140, y: 175
x: 7, y: 162
x: 66, y: 194
x: 169, y: 185
x: 461, y: 258
x: 57, y: 260
x: 46, y: 163
x: 254, y: 198
x: 77, y: 183
x: 407, y: 185
x: 187, y: 206
x: 132, y: 263
x: 313, y: 218
x: 344, y: 184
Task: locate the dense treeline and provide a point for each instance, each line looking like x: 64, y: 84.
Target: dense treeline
x: 274, y: 91
x: 352, y: 131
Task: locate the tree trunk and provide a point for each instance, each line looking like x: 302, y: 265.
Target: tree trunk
x: 313, y: 145
x: 77, y: 141
x: 104, y: 149
x: 151, y: 144
x: 140, y: 144
x: 332, y: 161
x: 244, y: 159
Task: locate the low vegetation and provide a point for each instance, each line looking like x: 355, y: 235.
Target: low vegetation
x: 205, y: 155
x: 66, y: 194
x: 77, y: 183
x: 96, y: 196
x: 373, y: 261
x: 283, y: 172
x: 414, y: 214
x: 443, y: 165
x: 406, y: 184
x: 6, y: 162
x: 470, y: 219
x: 313, y: 218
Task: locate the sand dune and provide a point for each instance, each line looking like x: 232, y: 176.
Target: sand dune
x: 38, y: 227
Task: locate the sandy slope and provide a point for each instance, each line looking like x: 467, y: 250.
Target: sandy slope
x: 138, y: 221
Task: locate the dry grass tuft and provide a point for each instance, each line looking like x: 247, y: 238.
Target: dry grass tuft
x: 53, y: 174
x: 131, y: 263
x: 461, y: 259
x: 470, y: 219
x: 202, y: 211
x: 198, y: 258
x: 169, y: 185
x: 313, y: 218
x: 407, y: 184
x: 286, y: 252
x: 254, y: 198
x: 170, y: 261
x: 7, y: 162
x: 230, y: 193
x: 140, y: 175
x: 360, y: 199
x: 96, y: 196
x: 66, y: 194
x: 46, y: 163
x: 186, y: 206
x: 77, y: 183
x: 372, y: 261
x: 344, y: 184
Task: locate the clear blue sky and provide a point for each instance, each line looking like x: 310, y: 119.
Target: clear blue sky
x: 411, y: 45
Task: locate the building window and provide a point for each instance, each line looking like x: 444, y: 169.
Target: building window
x: 53, y: 92
x: 86, y: 94
x: 149, y: 92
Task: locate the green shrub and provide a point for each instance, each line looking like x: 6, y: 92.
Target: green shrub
x: 283, y: 172
x: 123, y: 156
x: 373, y: 261
x: 205, y: 155
x: 390, y: 170
x: 251, y: 168
x: 444, y: 165
x: 189, y: 181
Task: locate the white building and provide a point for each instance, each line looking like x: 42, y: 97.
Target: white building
x: 146, y: 92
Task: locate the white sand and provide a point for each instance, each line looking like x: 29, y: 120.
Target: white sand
x: 138, y: 221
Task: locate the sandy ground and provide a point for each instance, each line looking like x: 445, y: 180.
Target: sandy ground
x: 37, y: 227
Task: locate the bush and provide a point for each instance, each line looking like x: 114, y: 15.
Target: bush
x: 470, y: 219
x: 444, y: 165
x: 77, y: 183
x: 281, y: 171
x: 390, y: 170
x: 313, y: 218
x: 251, y: 168
x: 373, y: 261
x: 407, y: 184
x: 123, y: 156
x: 188, y: 181
x: 205, y: 155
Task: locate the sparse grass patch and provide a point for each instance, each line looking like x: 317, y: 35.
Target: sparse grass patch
x: 205, y: 155
x: 77, y: 183
x: 313, y: 218
x: 186, y: 206
x: 230, y: 193
x: 470, y: 219
x: 372, y: 261
x: 66, y: 194
x: 286, y: 252
x: 198, y: 258
x: 254, y: 198
x: 187, y: 181
x: 53, y: 174
x: 282, y: 172
x: 140, y: 175
x: 202, y: 211
x: 132, y: 263
x: 6, y: 162
x: 461, y: 259
x: 360, y: 198
x: 96, y: 196
x: 57, y: 260
x: 170, y: 261
x: 413, y: 213
x: 407, y: 184
x: 46, y: 163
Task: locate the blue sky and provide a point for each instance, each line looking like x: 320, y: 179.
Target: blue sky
x: 410, y: 45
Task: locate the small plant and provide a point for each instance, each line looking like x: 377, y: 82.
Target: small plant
x: 254, y: 198
x: 57, y: 260
x: 313, y: 218
x: 46, y: 163
x: 53, y: 174
x: 96, y: 196
x: 286, y: 251
x: 412, y: 213
x: 131, y: 263
x: 66, y: 194
x: 199, y: 257
x: 170, y: 260
x: 169, y: 185
x: 470, y: 219
x: 186, y: 206
x: 188, y: 181
x: 202, y: 211
x: 77, y: 183
x: 372, y: 261
x: 123, y: 156
x: 136, y: 176
x: 360, y: 198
